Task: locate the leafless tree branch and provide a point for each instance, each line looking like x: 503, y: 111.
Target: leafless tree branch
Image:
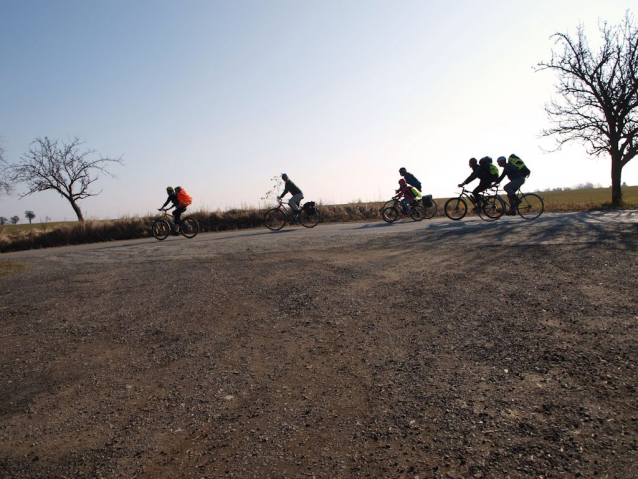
x: 597, y: 101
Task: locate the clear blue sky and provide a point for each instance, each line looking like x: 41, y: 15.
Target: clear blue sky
x: 220, y: 96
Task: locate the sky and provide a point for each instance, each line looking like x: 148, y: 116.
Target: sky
x: 220, y: 96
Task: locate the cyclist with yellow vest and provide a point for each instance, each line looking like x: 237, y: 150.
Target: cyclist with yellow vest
x: 485, y: 171
x: 516, y: 172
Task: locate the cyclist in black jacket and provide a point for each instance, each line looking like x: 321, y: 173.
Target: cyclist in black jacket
x: 179, y: 209
x: 296, y: 193
x: 483, y: 172
x: 516, y: 177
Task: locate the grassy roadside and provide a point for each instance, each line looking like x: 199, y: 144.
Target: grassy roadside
x: 45, y: 235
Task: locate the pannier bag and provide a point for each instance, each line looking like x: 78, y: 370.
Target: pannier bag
x: 310, y: 207
x: 427, y: 201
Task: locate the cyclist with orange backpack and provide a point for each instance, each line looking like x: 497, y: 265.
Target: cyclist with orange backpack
x: 180, y: 200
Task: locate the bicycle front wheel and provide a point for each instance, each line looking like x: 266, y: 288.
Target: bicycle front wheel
x: 161, y: 229
x: 390, y: 214
x: 309, y: 221
x: 531, y: 206
x: 274, y: 219
x: 493, y: 208
x: 189, y: 227
x: 455, y: 208
x: 430, y: 211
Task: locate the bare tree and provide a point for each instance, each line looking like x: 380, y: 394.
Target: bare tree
x: 5, y: 183
x: 598, y: 104
x: 64, y: 168
x: 14, y: 220
x: 29, y: 215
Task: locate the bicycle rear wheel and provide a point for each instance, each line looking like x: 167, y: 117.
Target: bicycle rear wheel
x: 418, y: 213
x: 493, y: 208
x: 531, y: 206
x: 161, y: 229
x: 309, y: 221
x: 455, y: 208
x: 189, y: 227
x: 274, y: 219
x: 390, y: 214
x: 430, y: 211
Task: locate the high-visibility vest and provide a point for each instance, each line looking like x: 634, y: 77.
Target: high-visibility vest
x: 516, y: 161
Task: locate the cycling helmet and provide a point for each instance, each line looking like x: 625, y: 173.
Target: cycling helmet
x: 169, y: 189
x: 178, y: 189
x: 501, y: 159
x: 284, y: 176
x: 473, y: 161
x: 402, y: 182
x: 402, y: 171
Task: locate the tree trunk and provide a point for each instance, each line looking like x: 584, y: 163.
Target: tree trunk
x: 77, y: 210
x: 616, y: 191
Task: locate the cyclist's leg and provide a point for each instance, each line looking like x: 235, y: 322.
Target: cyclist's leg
x: 483, y: 185
x: 294, y: 203
x: 511, y: 188
x: 177, y: 214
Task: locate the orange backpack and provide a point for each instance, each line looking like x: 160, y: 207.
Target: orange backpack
x: 184, y: 198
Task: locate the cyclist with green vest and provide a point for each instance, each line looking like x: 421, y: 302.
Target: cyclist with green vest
x: 485, y: 171
x: 516, y: 172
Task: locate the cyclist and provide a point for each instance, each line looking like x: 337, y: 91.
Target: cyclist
x: 408, y: 194
x: 486, y: 172
x: 179, y: 207
x: 410, y: 178
x: 296, y: 193
x: 516, y: 174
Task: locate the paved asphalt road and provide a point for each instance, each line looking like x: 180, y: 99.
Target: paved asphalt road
x: 547, y: 229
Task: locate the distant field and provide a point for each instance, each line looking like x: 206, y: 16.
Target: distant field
x: 34, y: 226
x: 594, y: 196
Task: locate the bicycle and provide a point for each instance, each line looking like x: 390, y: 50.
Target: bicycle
x: 490, y: 207
x: 277, y: 217
x: 394, y: 210
x: 530, y: 205
x: 165, y: 225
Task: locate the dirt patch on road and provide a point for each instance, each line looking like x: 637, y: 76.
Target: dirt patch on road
x: 433, y: 354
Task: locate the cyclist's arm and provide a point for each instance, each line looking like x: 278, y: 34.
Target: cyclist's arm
x: 285, y: 191
x: 167, y: 202
x: 471, y: 178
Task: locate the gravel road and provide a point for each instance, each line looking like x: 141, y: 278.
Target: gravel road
x: 417, y: 350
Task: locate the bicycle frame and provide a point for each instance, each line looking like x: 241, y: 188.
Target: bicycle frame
x: 287, y: 209
x: 524, y: 203
x: 465, y: 193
